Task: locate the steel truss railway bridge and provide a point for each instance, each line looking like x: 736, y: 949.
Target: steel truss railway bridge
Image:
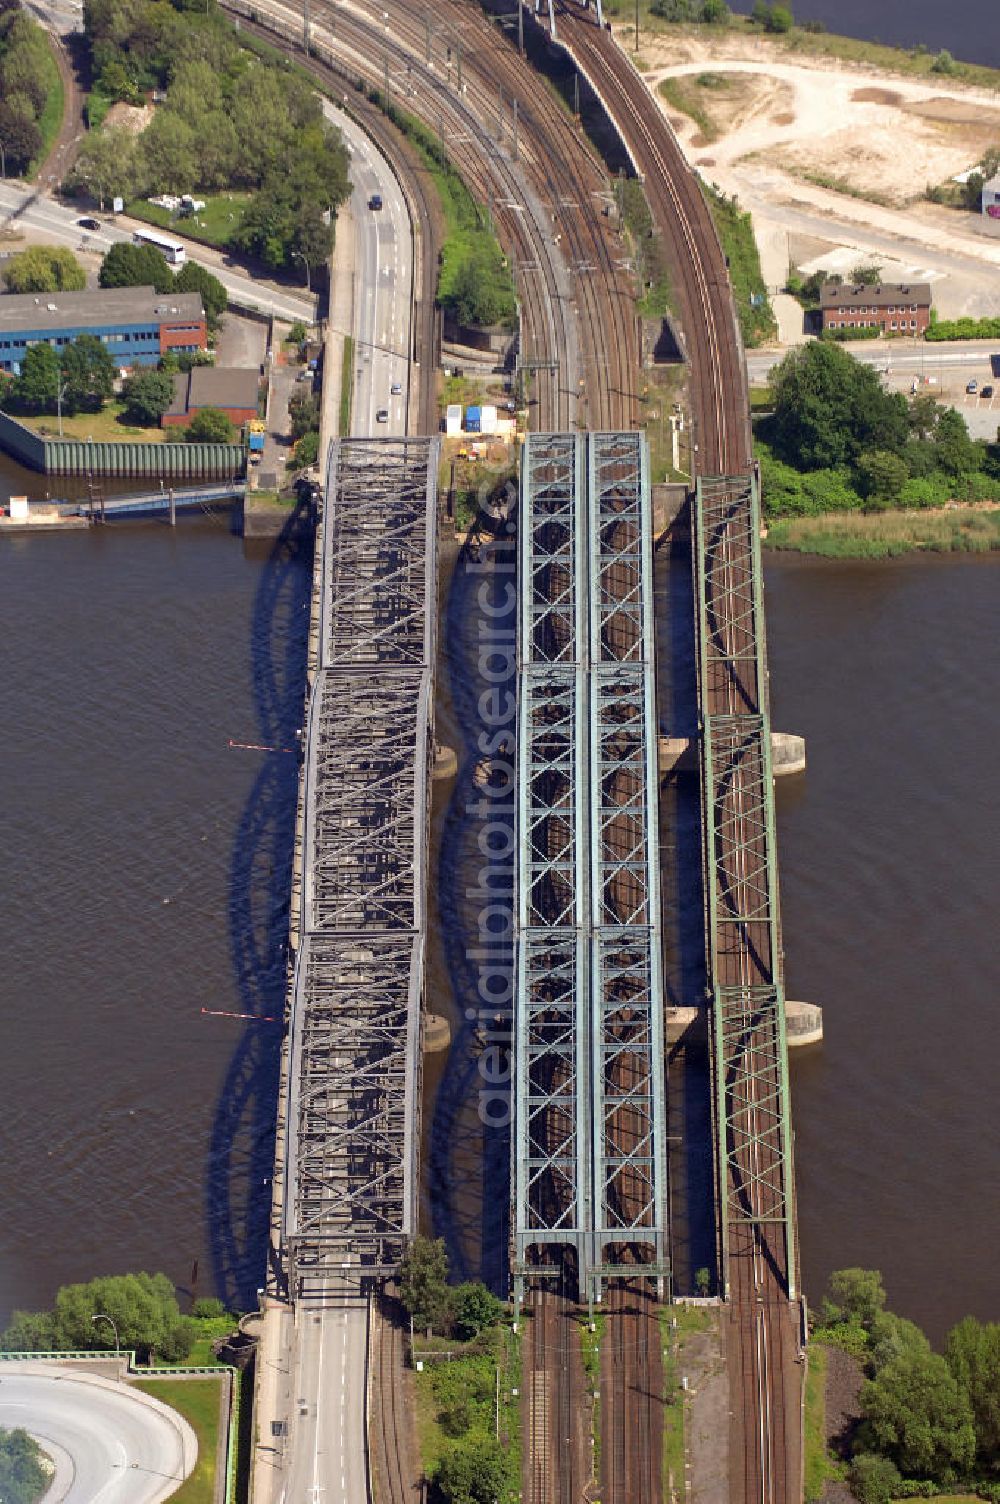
x: 353, y: 1111
x: 589, y: 1110
x: 743, y: 932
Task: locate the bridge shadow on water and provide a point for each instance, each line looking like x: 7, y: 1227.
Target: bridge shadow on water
x: 469, y: 1140
x: 241, y: 1148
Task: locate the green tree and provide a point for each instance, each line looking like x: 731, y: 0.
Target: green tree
x: 472, y: 1471
x: 307, y: 449
x: 883, y: 476
x: 972, y: 1351
x: 893, y: 1336
x: 210, y: 426
x: 106, y: 164
x: 874, y: 1480
x: 703, y: 1280
x: 304, y: 414
x: 88, y: 374
x: 37, y: 387
x: 956, y: 453
x: 23, y: 1479
x: 916, y: 1414
x: 128, y: 265
x: 423, y: 1281
x: 19, y: 133
x: 924, y: 414
x: 972, y: 191
x: 147, y: 396
x: 29, y: 1332
x: 829, y: 408
x: 780, y: 19
x: 480, y: 293
x: 44, y: 268
x: 944, y: 62
x: 195, y: 278
x: 142, y: 1306
x: 715, y: 13
x: 854, y: 1295
x: 866, y: 274
x: 474, y: 1307
x: 167, y: 155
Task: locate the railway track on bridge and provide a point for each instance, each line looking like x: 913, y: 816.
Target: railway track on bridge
x: 757, y: 1211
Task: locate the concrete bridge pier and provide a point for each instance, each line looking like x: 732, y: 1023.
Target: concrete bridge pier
x: 679, y: 754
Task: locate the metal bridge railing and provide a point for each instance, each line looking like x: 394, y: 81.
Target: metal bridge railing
x: 743, y: 936
x: 354, y: 1075
x: 590, y: 1128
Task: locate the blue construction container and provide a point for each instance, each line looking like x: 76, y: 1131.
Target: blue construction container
x: 473, y: 419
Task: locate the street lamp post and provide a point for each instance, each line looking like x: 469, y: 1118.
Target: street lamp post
x: 60, y: 393
x: 3, y: 160
x: 100, y: 1316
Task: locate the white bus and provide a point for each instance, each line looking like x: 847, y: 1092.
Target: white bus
x: 172, y: 249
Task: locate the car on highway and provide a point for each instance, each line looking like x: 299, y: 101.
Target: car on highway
x: 382, y: 416
x: 972, y: 386
x: 396, y: 389
x: 375, y: 202
x: 87, y: 223
x: 987, y: 391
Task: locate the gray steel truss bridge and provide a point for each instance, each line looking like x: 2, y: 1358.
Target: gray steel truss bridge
x: 753, y: 1122
x: 589, y: 1110
x: 353, y: 1119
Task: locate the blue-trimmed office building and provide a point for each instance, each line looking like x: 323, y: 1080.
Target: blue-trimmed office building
x: 137, y: 324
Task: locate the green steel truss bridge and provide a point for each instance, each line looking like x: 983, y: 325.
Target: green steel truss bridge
x: 589, y: 1141
x: 353, y: 1114
x: 745, y: 974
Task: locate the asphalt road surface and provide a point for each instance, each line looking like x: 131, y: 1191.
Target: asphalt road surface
x: 109, y: 1444
x: 28, y: 209
x: 316, y: 1403
x: 327, y: 1445
x: 384, y: 266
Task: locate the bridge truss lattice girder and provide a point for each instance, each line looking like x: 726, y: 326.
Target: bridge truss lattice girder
x: 354, y: 1034
x: 752, y: 1099
x: 586, y: 665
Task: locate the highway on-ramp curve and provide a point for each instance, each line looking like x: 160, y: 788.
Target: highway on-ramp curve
x: 111, y: 1444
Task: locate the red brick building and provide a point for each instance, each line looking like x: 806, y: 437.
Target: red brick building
x: 892, y: 308
x: 233, y: 391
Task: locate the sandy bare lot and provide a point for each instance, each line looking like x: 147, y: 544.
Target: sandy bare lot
x: 871, y: 132
x: 832, y: 159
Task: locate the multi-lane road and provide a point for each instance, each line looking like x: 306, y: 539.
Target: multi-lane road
x: 24, y: 208
x: 317, y: 1396
x: 383, y: 271
x: 108, y: 1442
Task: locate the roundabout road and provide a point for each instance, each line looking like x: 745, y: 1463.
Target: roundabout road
x: 111, y: 1444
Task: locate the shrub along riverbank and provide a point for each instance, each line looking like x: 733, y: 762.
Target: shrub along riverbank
x: 926, y: 1424
x: 840, y: 452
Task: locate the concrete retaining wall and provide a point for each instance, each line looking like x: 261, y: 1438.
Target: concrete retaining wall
x: 131, y: 461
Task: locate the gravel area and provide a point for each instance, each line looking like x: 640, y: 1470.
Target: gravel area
x: 844, y: 1377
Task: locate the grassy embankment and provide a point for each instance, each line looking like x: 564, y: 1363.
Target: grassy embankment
x: 346, y: 386
x: 678, y: 1326
x: 914, y: 62
x: 456, y: 1399
x: 51, y: 119
x: 686, y: 95
x: 590, y: 1353
x: 735, y: 230
x: 213, y: 225
x: 886, y: 535
x: 199, y: 1401
x: 469, y: 235
x: 106, y: 425
x: 819, y: 1466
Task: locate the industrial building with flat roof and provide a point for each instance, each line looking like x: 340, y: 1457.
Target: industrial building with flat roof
x: 137, y: 324
x: 232, y: 390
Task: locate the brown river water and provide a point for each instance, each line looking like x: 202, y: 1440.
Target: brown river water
x: 145, y: 878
